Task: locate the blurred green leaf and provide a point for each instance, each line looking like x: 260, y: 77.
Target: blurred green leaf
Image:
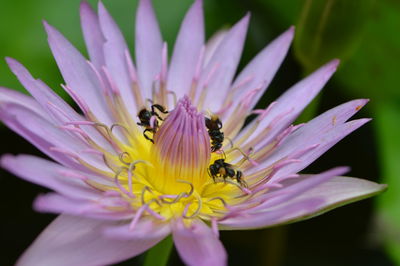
x: 388, y: 128
x: 373, y: 71
x: 329, y: 29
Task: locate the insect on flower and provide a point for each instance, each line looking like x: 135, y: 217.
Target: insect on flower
x: 122, y: 190
x: 146, y: 117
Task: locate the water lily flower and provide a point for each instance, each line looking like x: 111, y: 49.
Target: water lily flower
x: 162, y: 148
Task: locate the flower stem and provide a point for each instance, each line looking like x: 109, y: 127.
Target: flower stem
x: 159, y: 254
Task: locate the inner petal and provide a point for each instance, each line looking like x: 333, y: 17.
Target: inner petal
x: 181, y: 150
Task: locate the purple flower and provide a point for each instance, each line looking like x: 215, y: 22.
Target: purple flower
x: 161, y: 148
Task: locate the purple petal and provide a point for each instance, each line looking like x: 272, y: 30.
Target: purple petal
x: 327, y: 128
x: 213, y: 43
x: 187, y: 51
x: 224, y: 62
x: 325, y: 141
x: 47, y: 174
x: 72, y: 240
x: 48, y: 99
x: 78, y: 74
x: 198, y: 245
x: 115, y: 52
x: 328, y: 195
x: 292, y: 102
x: 43, y: 144
x: 8, y: 96
x: 45, y: 135
x: 56, y: 203
x: 144, y: 228
x: 262, y: 69
x: 92, y: 34
x: 148, y: 46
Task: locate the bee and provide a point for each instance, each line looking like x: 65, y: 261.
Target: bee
x: 214, y: 126
x: 145, y: 116
x: 220, y: 168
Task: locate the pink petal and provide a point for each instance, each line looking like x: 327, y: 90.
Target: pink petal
x: 47, y: 174
x: 224, y: 61
x: 56, y: 203
x: 15, y: 123
x: 296, y: 186
x: 325, y: 141
x: 78, y: 74
x: 47, y: 98
x: 213, y: 43
x: 262, y: 69
x: 72, y: 240
x: 328, y: 195
x: 144, y: 228
x: 187, y: 51
x: 325, y: 124
x: 198, y: 245
x: 92, y: 34
x: 46, y: 135
x: 292, y: 102
x: 115, y: 50
x: 11, y: 96
x: 148, y: 46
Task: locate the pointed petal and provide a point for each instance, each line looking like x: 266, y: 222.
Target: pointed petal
x: 325, y: 143
x: 294, y: 187
x: 78, y: 75
x: 224, y: 62
x: 262, y: 69
x: 45, y: 96
x: 213, y: 43
x: 197, y: 245
x: 47, y: 174
x: 148, y: 46
x: 187, y: 51
x: 92, y: 34
x: 57, y: 203
x: 292, y: 102
x: 144, y: 228
x: 115, y: 52
x: 8, y: 96
x: 18, y: 126
x: 306, y: 135
x: 72, y: 240
x: 45, y: 135
x: 334, y: 193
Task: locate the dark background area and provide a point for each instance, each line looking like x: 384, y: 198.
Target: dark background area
x: 346, y: 236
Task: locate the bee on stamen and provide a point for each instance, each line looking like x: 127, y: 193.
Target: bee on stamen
x: 222, y: 169
x: 145, y: 119
x: 214, y: 126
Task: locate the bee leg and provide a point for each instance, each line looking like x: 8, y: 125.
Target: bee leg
x: 159, y: 108
x: 147, y: 137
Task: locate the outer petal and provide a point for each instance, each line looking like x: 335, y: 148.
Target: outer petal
x: 47, y: 174
x: 59, y: 110
x: 218, y: 74
x: 334, y: 193
x: 56, y: 203
x: 261, y: 69
x: 78, y: 75
x: 198, y: 245
x: 143, y: 229
x: 44, y: 131
x: 72, y: 240
x: 292, y: 102
x: 8, y: 96
x: 148, y: 46
x: 115, y: 52
x: 94, y: 38
x: 187, y: 51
